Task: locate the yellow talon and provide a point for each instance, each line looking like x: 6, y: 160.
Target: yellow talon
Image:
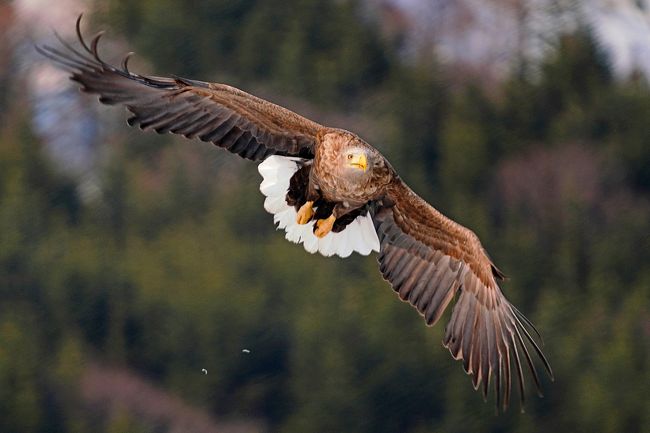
x: 305, y: 213
x: 323, y: 227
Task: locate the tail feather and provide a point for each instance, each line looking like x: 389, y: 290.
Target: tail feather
x: 359, y: 236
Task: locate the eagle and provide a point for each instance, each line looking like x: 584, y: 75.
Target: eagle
x: 336, y: 194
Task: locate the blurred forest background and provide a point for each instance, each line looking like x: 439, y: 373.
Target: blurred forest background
x: 134, y: 261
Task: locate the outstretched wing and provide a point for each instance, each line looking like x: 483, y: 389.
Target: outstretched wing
x: 428, y: 258
x: 217, y: 113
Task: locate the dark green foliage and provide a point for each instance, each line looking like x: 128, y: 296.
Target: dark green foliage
x: 176, y: 267
x: 411, y: 108
x: 319, y: 50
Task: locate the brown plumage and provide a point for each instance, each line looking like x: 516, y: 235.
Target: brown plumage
x: 427, y: 258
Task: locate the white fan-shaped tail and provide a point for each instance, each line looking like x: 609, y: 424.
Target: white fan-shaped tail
x: 359, y: 236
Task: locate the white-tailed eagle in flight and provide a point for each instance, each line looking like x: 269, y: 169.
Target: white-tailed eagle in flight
x: 336, y: 194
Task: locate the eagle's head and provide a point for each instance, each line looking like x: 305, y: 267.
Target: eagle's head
x: 356, y: 159
x: 352, y: 155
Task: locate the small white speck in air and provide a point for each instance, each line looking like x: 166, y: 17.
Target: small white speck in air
x: 204, y: 371
x: 246, y: 351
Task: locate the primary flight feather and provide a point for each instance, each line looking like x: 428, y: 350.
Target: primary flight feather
x: 335, y: 194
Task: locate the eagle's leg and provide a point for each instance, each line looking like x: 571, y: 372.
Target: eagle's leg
x: 324, y: 226
x: 305, y: 213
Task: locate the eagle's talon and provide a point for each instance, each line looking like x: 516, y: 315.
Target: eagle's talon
x: 305, y: 213
x: 323, y: 227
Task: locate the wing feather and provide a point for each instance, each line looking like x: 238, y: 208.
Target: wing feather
x: 228, y: 117
x: 428, y: 259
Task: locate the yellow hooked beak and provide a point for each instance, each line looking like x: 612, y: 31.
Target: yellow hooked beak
x: 358, y: 160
